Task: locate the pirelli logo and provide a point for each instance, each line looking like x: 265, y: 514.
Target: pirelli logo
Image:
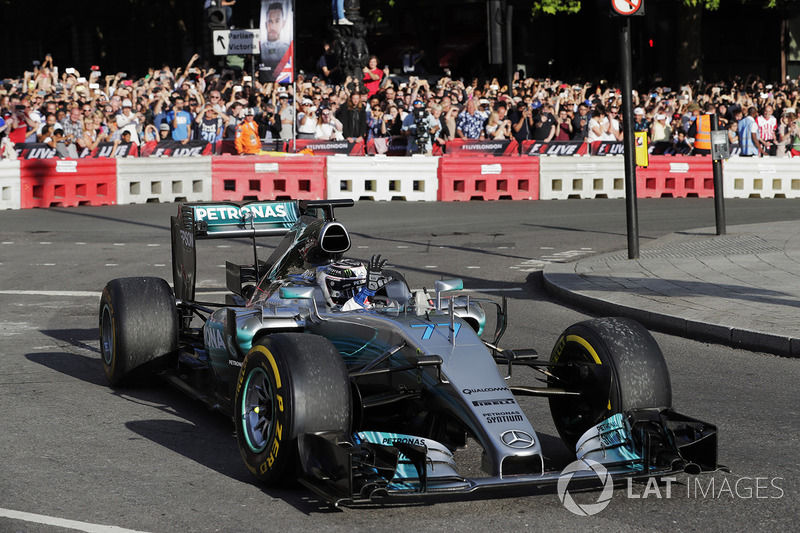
x: 499, y: 401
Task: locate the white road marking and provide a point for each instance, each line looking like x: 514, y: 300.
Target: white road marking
x: 153, y: 245
x: 112, y: 264
x: 93, y: 294
x: 8, y: 242
x: 473, y: 267
x: 119, y: 244
x: 402, y: 246
x: 431, y: 266
x: 534, y: 265
x: 80, y: 243
x: 63, y: 522
x: 45, y: 243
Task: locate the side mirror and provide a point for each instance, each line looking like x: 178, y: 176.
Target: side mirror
x: 297, y: 293
x: 447, y: 285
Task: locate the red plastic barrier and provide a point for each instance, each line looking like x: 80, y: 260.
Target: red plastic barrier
x: 68, y: 182
x: 238, y: 178
x: 676, y: 177
x: 488, y: 178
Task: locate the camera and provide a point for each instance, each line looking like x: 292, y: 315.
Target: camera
x: 123, y: 74
x: 422, y: 134
x: 37, y: 63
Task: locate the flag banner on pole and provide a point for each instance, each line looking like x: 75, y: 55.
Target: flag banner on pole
x: 277, y: 41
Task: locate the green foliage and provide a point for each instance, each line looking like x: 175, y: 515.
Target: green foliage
x: 551, y: 7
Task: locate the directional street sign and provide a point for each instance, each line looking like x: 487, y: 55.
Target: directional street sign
x: 236, y: 42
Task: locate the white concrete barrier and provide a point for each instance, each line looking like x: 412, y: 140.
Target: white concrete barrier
x: 163, y: 179
x: 561, y: 178
x: 381, y: 177
x: 761, y: 177
x: 10, y: 190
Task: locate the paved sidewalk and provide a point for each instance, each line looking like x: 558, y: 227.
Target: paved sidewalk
x: 740, y: 289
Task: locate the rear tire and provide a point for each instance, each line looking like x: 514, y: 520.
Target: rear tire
x: 290, y: 384
x: 638, y: 374
x: 138, y: 328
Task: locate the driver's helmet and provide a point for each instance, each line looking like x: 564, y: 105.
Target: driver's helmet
x: 341, y: 280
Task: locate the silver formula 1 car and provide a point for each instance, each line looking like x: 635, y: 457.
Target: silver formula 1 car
x: 340, y: 375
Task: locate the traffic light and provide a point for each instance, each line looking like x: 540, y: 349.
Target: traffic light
x: 217, y: 18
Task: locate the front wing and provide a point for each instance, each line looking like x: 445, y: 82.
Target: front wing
x: 635, y: 444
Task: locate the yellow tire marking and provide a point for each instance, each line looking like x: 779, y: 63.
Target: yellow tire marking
x: 262, y: 349
x: 586, y: 345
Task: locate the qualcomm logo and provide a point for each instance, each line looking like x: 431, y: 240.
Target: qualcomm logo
x: 586, y: 509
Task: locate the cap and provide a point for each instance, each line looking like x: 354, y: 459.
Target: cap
x: 483, y: 101
x: 418, y: 102
x: 127, y: 103
x: 248, y: 112
x: 164, y: 126
x: 58, y: 129
x: 536, y: 105
x: 307, y: 101
x: 283, y: 95
x: 638, y: 111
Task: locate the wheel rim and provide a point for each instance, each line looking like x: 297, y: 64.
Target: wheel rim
x: 107, y: 337
x: 257, y: 410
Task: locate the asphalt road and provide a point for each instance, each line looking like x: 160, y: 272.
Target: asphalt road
x: 74, y: 449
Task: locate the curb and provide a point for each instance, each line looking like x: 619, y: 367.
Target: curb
x: 561, y: 281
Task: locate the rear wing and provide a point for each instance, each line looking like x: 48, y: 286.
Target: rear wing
x: 231, y: 220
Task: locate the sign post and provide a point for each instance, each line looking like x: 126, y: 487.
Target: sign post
x: 236, y: 42
x: 625, y: 9
x: 720, y: 149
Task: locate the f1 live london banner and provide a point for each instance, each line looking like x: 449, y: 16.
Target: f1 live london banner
x: 277, y: 41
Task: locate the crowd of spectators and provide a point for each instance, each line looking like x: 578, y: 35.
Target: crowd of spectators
x: 74, y: 111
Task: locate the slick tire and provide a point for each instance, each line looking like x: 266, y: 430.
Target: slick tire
x: 289, y: 384
x: 138, y: 329
x: 636, y: 369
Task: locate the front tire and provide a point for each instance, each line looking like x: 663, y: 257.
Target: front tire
x: 636, y: 375
x: 138, y: 328
x: 290, y: 384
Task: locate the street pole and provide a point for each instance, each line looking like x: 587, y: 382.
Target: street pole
x: 631, y: 209
x: 719, y: 198
x: 508, y: 38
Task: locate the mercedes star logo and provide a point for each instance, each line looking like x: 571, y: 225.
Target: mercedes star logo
x: 514, y: 438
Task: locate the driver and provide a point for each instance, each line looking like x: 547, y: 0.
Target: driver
x: 350, y: 284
